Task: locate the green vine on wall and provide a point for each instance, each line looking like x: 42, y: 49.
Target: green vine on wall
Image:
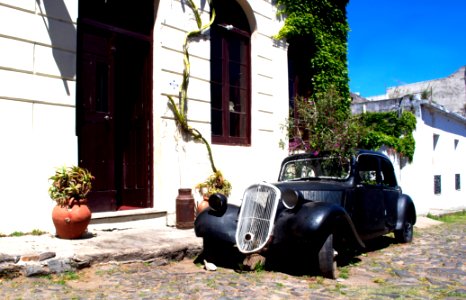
x: 389, y: 129
x: 321, y: 26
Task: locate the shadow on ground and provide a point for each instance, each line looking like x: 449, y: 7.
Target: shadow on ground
x: 296, y: 261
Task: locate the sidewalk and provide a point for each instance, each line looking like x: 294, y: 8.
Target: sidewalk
x: 129, y: 241
x: 36, y: 255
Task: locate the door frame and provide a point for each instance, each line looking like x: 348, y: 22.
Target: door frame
x: 89, y: 23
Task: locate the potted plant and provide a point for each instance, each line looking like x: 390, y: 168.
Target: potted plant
x: 215, y: 183
x: 69, y: 189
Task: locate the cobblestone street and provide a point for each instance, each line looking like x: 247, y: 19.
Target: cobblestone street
x: 432, y: 267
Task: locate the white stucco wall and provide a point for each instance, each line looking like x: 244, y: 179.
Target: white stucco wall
x: 445, y: 159
x: 37, y: 108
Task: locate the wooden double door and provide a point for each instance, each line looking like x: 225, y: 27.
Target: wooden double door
x: 114, y: 114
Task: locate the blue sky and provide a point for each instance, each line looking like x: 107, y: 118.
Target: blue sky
x: 395, y: 42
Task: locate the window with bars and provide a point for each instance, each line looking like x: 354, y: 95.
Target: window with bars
x: 437, y: 184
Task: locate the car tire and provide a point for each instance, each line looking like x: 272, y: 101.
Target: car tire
x: 327, y: 262
x: 405, y: 234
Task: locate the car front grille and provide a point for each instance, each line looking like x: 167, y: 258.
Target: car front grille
x: 256, y: 217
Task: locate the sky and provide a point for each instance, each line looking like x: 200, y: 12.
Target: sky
x: 396, y: 42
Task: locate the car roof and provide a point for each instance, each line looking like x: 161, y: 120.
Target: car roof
x: 323, y: 154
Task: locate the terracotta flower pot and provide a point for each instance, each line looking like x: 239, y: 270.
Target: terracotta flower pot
x: 71, y: 221
x: 201, y: 206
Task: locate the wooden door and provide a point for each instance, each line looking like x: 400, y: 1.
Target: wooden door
x: 114, y: 107
x: 96, y: 122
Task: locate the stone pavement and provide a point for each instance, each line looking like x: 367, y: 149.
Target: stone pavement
x: 432, y: 267
x: 130, y: 241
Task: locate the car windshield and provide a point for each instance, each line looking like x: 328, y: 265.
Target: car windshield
x: 316, y: 168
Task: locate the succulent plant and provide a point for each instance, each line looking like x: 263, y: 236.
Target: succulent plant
x: 70, y: 184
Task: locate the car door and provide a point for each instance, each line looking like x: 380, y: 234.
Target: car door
x: 391, y: 192
x: 369, y: 206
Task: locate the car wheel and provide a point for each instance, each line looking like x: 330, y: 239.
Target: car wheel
x: 327, y: 262
x: 405, y: 234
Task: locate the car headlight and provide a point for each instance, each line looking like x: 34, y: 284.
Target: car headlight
x: 290, y: 198
x: 218, y: 202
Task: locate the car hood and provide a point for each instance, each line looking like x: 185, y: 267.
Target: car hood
x: 325, y: 191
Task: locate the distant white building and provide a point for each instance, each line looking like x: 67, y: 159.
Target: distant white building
x: 436, y: 177
x: 449, y: 92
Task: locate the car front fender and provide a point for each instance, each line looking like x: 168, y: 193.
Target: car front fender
x: 316, y: 220
x: 211, y: 225
x: 405, y: 211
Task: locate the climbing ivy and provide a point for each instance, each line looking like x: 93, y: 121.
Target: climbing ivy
x: 321, y: 27
x: 390, y: 129
x: 322, y: 121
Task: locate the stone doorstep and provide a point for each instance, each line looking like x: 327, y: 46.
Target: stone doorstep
x: 127, y: 216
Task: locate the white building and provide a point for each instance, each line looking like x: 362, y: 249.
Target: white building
x: 449, y: 91
x: 436, y: 177
x: 86, y: 82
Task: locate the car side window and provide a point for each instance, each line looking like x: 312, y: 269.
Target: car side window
x: 368, y: 170
x: 388, y: 174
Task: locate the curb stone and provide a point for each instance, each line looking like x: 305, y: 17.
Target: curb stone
x: 46, y: 263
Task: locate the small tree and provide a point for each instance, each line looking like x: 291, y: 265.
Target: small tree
x: 323, y: 126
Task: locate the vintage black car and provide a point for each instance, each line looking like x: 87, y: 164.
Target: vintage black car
x: 320, y: 206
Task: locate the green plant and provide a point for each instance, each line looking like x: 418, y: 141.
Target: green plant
x: 389, y: 129
x: 20, y: 233
x: 17, y: 234
x: 321, y: 125
x: 215, y: 183
x: 344, y: 272
x: 70, y: 184
x: 320, y: 28
x: 37, y: 232
x: 180, y: 110
x: 459, y: 216
x: 67, y: 276
x: 426, y: 94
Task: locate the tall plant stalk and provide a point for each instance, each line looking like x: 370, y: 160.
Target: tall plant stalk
x: 180, y: 109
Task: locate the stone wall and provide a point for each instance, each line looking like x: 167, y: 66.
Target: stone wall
x: 449, y: 92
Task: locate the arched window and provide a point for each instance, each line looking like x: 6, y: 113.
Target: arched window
x: 230, y: 75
